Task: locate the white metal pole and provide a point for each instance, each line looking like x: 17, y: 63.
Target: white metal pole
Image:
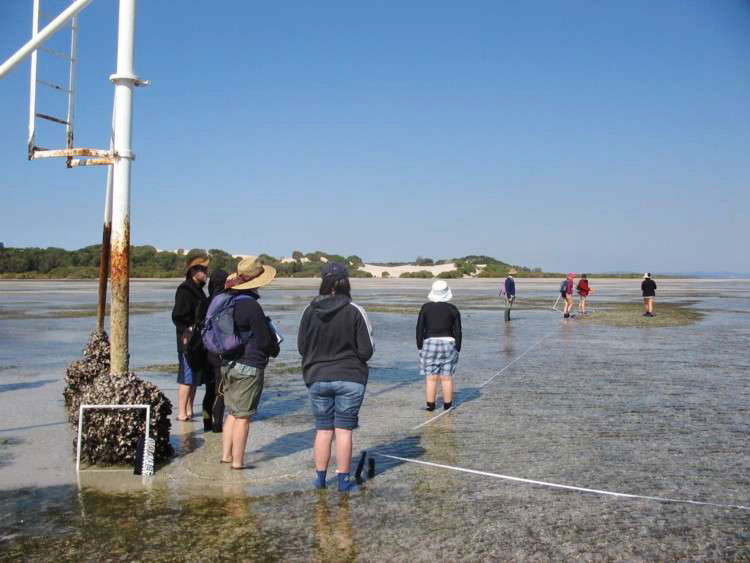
x: 71, y: 84
x: 124, y: 80
x: 33, y: 43
x: 32, y: 81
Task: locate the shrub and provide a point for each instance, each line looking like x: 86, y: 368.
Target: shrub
x: 452, y: 274
x: 422, y: 274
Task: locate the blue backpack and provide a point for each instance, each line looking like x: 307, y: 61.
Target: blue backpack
x: 219, y: 334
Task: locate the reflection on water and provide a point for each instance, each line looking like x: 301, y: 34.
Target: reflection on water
x: 334, y: 538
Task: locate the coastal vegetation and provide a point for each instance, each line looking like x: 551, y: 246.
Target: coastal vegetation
x: 149, y: 262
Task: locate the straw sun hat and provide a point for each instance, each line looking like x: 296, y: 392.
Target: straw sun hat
x: 440, y: 292
x: 251, y: 273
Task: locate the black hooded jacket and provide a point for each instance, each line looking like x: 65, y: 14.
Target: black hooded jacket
x: 215, y: 287
x: 335, y: 340
x: 189, y: 300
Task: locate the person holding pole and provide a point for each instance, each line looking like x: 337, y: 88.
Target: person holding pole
x: 509, y: 291
x: 566, y: 292
x: 189, y: 299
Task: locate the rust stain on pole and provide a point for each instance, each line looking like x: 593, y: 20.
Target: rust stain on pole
x: 103, y: 277
x: 120, y: 271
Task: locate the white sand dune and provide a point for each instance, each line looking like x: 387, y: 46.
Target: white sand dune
x: 396, y: 271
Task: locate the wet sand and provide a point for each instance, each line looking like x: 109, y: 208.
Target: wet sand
x: 648, y: 410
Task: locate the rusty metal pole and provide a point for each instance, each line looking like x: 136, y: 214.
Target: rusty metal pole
x: 105, y: 255
x: 125, y: 81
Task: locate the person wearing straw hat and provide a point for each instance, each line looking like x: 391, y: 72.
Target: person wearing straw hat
x: 242, y: 376
x: 188, y: 300
x: 648, y: 288
x: 439, y: 343
x: 509, y: 291
x: 335, y: 342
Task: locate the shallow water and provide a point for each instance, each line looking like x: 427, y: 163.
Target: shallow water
x: 650, y: 411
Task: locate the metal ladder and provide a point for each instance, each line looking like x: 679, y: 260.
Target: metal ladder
x: 73, y: 156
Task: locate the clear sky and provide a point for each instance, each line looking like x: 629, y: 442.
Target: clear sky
x: 570, y: 135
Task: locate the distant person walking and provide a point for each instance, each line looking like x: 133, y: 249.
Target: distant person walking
x: 566, y: 293
x: 242, y: 377
x: 439, y: 343
x: 584, y: 290
x: 335, y: 342
x: 189, y: 299
x: 213, y: 400
x: 648, y: 288
x: 509, y: 291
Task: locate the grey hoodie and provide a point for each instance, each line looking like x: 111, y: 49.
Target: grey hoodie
x: 335, y: 340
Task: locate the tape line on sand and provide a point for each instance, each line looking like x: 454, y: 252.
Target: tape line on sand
x: 565, y: 487
x: 529, y: 349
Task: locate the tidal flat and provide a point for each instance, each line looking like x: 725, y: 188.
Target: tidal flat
x: 610, y: 401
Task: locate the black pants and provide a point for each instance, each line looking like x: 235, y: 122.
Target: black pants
x: 213, y: 401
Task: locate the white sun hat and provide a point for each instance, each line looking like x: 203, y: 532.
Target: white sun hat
x: 440, y: 292
x: 646, y: 275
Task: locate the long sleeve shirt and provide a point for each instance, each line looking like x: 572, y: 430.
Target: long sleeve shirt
x: 249, y: 317
x: 439, y: 320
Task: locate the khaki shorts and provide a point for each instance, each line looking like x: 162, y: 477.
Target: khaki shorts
x: 242, y: 386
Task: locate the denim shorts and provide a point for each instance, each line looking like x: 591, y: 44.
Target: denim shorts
x: 187, y: 375
x: 335, y: 404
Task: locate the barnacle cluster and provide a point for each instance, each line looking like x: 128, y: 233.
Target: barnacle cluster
x: 111, y: 436
x: 83, y: 372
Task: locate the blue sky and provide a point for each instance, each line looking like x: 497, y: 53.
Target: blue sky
x: 583, y: 136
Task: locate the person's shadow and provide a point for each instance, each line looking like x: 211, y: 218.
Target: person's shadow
x: 285, y: 445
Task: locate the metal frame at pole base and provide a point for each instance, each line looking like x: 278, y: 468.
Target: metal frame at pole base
x: 125, y: 81
x: 112, y: 407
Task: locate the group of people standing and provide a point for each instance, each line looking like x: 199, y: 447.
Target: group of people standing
x: 335, y: 342
x: 648, y: 290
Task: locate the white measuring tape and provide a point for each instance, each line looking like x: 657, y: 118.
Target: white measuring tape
x: 529, y: 349
x: 566, y: 487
